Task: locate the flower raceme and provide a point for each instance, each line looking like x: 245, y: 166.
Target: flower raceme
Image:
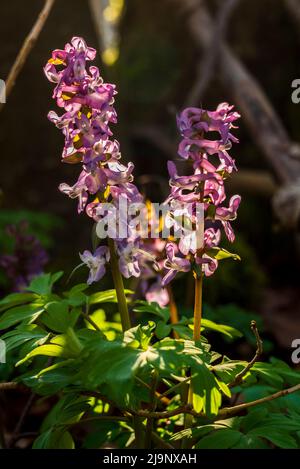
x: 195, y: 208
x: 211, y: 164
x: 88, y: 112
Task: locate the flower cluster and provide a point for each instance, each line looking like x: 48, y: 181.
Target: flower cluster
x: 27, y: 259
x: 151, y: 272
x: 210, y: 164
x: 88, y: 112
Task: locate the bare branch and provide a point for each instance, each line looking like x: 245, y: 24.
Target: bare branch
x: 211, y: 55
x: 224, y: 413
x: 24, y: 413
x: 27, y: 46
x: 114, y: 418
x: 24, y: 435
x: 254, y: 182
x: 157, y: 137
x: 259, y: 350
x: 262, y: 120
x: 293, y: 7
x: 159, y: 441
x: 230, y: 411
x: 21, y: 420
x: 10, y: 385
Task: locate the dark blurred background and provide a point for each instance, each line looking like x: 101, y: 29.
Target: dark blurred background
x: 151, y: 50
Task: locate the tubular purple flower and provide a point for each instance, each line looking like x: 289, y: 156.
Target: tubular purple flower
x: 205, y: 185
x: 78, y: 190
x: 96, y: 263
x: 194, y: 123
x: 129, y: 258
x: 156, y: 294
x: 88, y: 112
x: 174, y: 264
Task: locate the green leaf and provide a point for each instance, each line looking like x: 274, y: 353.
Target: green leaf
x: 228, y: 369
x: 139, y: 336
x: 221, y: 253
x: 268, y: 373
x: 221, y: 439
x: 54, y: 439
x: 78, y: 288
x: 109, y: 329
x: 108, y: 296
x: 15, y: 299
x: 251, y: 442
x: 61, y: 364
x: 196, y: 432
x: 43, y: 284
x: 183, y: 331
x: 23, y: 334
x: 254, y: 418
x: 114, y: 365
x: 162, y: 330
x: 224, y: 388
x: 152, y: 308
x: 289, y: 375
x: 206, y: 394
x: 76, y: 297
x: 70, y: 342
x: 28, y: 312
x: 276, y: 436
x: 50, y: 350
x: 69, y: 409
x: 55, y: 379
x: 58, y: 317
x: 223, y: 329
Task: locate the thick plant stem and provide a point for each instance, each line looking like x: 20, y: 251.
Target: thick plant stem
x: 173, y: 310
x: 188, y: 419
x: 126, y: 323
x: 173, y: 307
x: 153, y: 403
x: 119, y: 286
x: 139, y: 432
x: 198, y: 307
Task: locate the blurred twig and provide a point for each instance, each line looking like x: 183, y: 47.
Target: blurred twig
x: 293, y: 7
x: 156, y: 136
x: 208, y: 64
x: 10, y: 385
x: 262, y: 120
x: 254, y: 182
x: 24, y: 413
x: 19, y: 425
x: 24, y: 435
x: 259, y: 349
x: 27, y: 46
x: 227, y: 412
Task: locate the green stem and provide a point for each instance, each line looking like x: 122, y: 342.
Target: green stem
x: 126, y: 324
x: 119, y: 286
x: 198, y: 307
x: 173, y: 310
x: 188, y: 419
x: 139, y: 431
x: 175, y: 387
x: 153, y: 404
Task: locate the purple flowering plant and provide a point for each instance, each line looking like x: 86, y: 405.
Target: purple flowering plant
x: 27, y: 259
x: 152, y: 375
